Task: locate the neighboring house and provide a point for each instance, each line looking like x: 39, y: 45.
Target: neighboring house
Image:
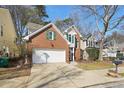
x: 75, y: 39
x: 109, y: 53
x: 48, y: 45
x: 110, y: 48
x: 8, y: 35
x: 120, y: 46
x: 89, y: 41
x: 31, y: 27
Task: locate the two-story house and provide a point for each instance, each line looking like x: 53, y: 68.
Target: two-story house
x: 75, y: 39
x: 48, y: 44
x: 89, y: 40
x: 8, y: 35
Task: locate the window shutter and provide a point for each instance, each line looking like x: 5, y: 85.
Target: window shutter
x: 67, y: 36
x: 54, y: 34
x: 50, y: 35
x: 75, y: 42
x: 47, y: 35
x: 72, y: 38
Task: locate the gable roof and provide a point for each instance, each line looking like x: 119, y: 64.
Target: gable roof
x: 75, y: 29
x: 33, y: 27
x: 88, y: 35
x: 41, y: 29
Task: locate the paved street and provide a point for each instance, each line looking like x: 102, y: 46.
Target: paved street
x: 118, y: 84
x: 61, y: 75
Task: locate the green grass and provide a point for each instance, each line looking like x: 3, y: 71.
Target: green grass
x: 122, y: 74
x: 95, y: 65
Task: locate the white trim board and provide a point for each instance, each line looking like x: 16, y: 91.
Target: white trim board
x: 41, y: 29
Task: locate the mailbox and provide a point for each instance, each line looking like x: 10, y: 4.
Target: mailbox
x: 117, y: 62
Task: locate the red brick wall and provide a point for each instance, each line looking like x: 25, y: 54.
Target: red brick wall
x: 77, y: 50
x: 40, y: 41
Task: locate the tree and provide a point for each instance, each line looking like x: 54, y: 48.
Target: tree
x: 64, y: 24
x: 106, y: 19
x: 118, y: 37
x: 21, y: 15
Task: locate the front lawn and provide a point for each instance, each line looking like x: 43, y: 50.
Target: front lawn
x: 96, y: 65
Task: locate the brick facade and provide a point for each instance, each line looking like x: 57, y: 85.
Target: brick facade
x: 40, y: 41
x: 78, y: 50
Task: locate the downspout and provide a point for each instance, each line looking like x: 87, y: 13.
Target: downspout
x: 26, y: 45
x: 73, y: 55
x: 26, y: 56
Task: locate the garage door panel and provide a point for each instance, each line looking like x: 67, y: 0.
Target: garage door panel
x: 49, y: 56
x: 39, y: 57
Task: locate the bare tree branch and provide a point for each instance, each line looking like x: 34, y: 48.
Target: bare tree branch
x: 105, y: 16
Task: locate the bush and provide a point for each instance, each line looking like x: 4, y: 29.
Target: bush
x: 119, y: 55
x: 112, y: 58
x: 93, y: 53
x: 13, y: 62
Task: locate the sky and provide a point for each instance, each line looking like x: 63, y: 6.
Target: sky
x: 63, y: 11
x: 58, y: 11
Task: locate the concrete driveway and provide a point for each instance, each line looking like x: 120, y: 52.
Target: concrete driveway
x: 53, y: 75
x: 46, y: 75
x: 60, y: 75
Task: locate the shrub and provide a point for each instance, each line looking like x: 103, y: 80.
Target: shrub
x: 13, y: 62
x: 93, y: 53
x: 112, y: 58
x: 119, y: 55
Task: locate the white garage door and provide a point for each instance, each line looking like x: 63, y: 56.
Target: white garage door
x: 48, y: 55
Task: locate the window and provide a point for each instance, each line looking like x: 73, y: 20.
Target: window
x: 86, y: 42
x: 51, y: 35
x: 69, y: 38
x: 91, y: 44
x: 1, y: 32
x: 77, y: 44
x: 72, y: 38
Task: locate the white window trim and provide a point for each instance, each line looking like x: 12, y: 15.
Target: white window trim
x: 71, y: 38
x: 52, y: 35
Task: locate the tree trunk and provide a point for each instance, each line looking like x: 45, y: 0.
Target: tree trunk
x: 101, y: 51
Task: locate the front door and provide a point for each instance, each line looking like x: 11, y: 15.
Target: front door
x: 71, y: 54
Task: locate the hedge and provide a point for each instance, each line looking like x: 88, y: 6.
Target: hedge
x: 119, y: 55
x: 93, y: 53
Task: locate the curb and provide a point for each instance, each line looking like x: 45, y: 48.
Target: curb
x: 102, y: 83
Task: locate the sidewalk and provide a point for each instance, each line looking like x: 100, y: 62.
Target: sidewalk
x: 93, y: 77
x: 60, y: 76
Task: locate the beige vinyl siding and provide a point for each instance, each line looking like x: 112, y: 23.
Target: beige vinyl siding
x: 9, y: 34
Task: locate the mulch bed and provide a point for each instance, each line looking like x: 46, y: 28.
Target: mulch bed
x: 7, y: 73
x: 16, y: 68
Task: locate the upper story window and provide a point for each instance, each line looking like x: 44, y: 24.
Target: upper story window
x: 73, y: 38
x: 76, y: 43
x: 70, y: 38
x: 51, y: 35
x: 1, y: 31
x: 87, y: 43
